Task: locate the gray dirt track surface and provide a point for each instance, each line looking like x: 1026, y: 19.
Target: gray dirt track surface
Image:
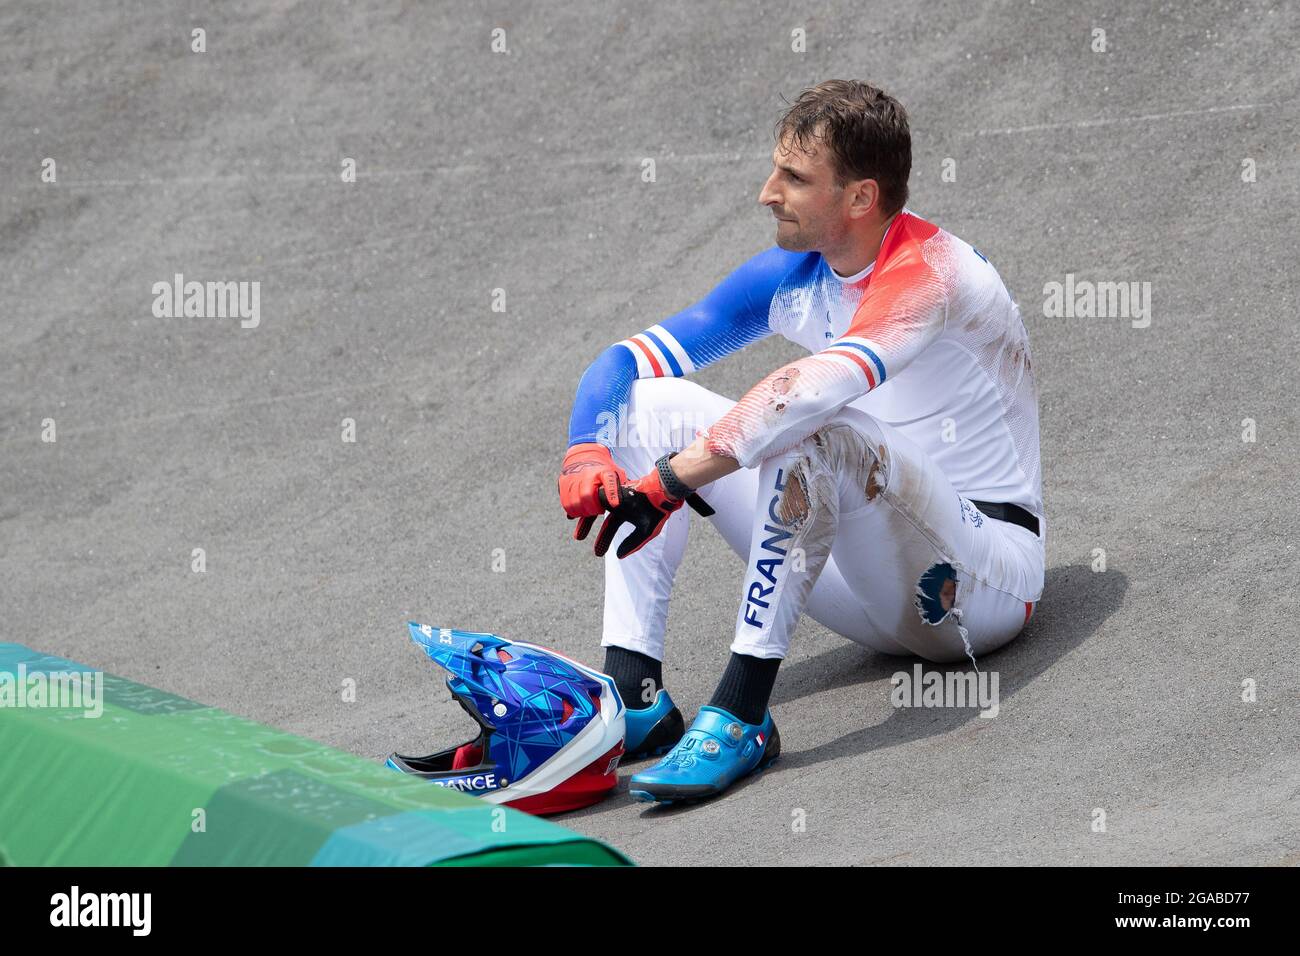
x: 480, y: 171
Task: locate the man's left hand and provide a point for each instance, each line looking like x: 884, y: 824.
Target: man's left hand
x: 645, y: 505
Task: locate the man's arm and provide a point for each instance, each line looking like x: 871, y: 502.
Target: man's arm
x: 696, y: 466
x: 732, y: 316
x: 902, y: 312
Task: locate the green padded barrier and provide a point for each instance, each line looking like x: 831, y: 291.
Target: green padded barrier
x: 155, y: 779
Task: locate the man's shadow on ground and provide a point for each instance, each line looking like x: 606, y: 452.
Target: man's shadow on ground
x: 1076, y: 602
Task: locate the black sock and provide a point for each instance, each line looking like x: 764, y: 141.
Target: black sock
x: 630, y: 670
x: 746, y: 686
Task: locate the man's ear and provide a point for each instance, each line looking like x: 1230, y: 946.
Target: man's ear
x: 866, y: 198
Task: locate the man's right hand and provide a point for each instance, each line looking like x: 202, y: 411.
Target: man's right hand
x: 587, y: 468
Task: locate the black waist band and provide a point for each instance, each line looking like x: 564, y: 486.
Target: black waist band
x: 1006, y: 512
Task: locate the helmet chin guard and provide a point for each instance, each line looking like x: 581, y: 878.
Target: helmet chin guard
x: 550, y: 729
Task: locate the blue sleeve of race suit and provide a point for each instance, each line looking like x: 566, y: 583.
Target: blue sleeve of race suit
x: 730, y: 317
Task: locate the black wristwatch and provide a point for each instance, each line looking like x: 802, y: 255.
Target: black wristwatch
x: 672, y: 484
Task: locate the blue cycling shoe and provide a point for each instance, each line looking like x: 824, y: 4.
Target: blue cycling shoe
x: 717, y: 750
x: 652, y: 730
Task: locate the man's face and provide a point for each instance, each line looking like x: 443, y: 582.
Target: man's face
x: 812, y: 212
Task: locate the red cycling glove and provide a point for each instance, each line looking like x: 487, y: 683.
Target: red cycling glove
x: 587, y: 470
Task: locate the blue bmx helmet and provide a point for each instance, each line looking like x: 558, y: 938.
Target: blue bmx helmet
x: 551, y: 729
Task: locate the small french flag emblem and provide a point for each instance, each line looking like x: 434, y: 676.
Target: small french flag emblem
x: 759, y: 739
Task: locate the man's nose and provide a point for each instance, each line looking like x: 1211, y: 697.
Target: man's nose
x: 767, y: 195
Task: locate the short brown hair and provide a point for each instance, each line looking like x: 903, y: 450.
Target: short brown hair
x: 865, y: 129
